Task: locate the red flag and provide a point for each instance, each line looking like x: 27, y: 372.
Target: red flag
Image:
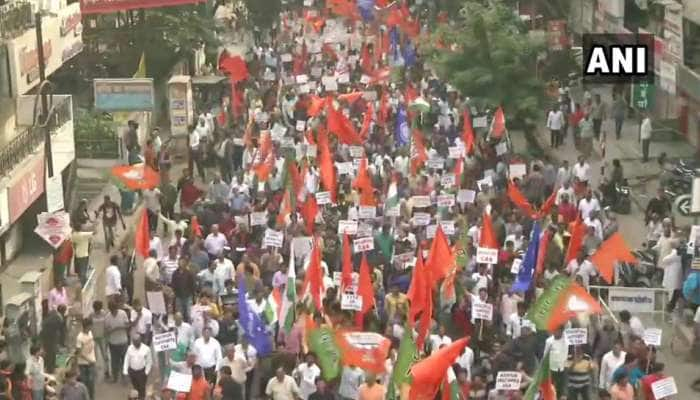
x: 326, y: 166
x: 367, y: 121
x: 459, y: 169
x: 519, y: 200
x: 346, y: 274
x: 498, y: 125
x: 285, y: 207
x: 142, y: 237
x: 613, y: 250
x: 487, y: 238
x: 574, y: 301
x: 542, y: 252
x: 221, y: 118
x: 365, y: 289
x: 418, y: 153
x: 196, y: 228
x: 440, y: 259
x: 363, y: 182
x: 420, y: 297
x: 262, y: 170
x: 410, y: 94
x: 380, y: 75
x: 578, y: 232
x: 314, y: 276
x: 309, y: 211
x: 428, y: 373
x: 468, y: 133
x: 383, y: 114
x: 341, y: 125
x: 366, y: 60
x: 547, y: 206
x: 316, y: 105
x: 235, y: 66
x: 350, y: 97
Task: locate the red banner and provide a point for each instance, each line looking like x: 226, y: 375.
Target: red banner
x: 27, y: 188
x: 110, y: 6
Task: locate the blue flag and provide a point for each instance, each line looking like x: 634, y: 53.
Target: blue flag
x: 524, y: 279
x: 409, y: 54
x: 394, y: 40
x: 253, y: 327
x: 366, y: 9
x: 402, y: 134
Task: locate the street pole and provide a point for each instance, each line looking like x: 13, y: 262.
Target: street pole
x: 44, y: 117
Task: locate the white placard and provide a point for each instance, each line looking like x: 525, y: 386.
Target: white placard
x: 54, y: 227
x: 630, y: 299
x: 273, y: 238
x: 258, y: 218
x: 465, y: 196
x: 344, y: 168
x: 365, y: 79
x: 364, y: 230
x: 486, y: 256
x: 269, y: 76
x: 652, y: 336
x: 316, y: 72
x: 326, y: 80
x: 323, y: 198
x: 301, y: 79
x: 278, y: 131
x: 393, y: 212
x: 287, y: 142
x: 515, y: 267
x: 430, y: 231
x: 304, y: 89
x: 286, y: 57
x: 337, y: 276
x: 350, y: 301
x: 664, y: 388
x: 445, y: 200
x: 357, y: 151
x: 369, y: 95
x: 347, y: 227
x: 501, y: 148
x: 164, y: 341
x: 363, y: 244
x: 302, y: 246
x: 367, y: 212
x: 455, y: 152
x: 331, y: 86
x: 508, y: 380
x: 308, y: 3
x: 54, y: 193
x: 480, y: 122
x: 420, y: 219
x: 448, y: 227
x: 576, y: 336
x: 311, y: 150
x: 517, y: 170
x: 156, y: 303
x: 437, y: 163
x: 344, y: 78
x: 448, y: 180
x: 178, y: 382
x: 420, y: 201
x: 484, y: 184
x: 301, y: 125
x: 482, y: 311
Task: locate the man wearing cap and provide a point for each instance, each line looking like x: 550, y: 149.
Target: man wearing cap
x: 137, y: 364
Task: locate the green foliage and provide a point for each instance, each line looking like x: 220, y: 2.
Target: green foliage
x: 95, y: 135
x: 263, y: 13
x: 493, y: 60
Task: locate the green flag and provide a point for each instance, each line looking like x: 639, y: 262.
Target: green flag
x: 322, y: 343
x: 541, y: 311
x: 541, y: 383
x: 408, y: 355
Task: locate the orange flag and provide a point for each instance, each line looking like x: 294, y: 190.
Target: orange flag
x: 498, y: 125
x: 542, y: 251
x: 458, y: 170
x: 367, y: 121
x: 363, y: 182
x: 418, y: 153
x: 576, y: 300
x: 326, y: 166
x: 263, y: 170
x: 350, y: 97
x: 340, y: 125
x: 314, y: 277
x: 468, y: 133
x: 285, y: 207
x: 316, y: 105
x: 142, y: 237
x: 519, y: 200
x: 578, y: 232
x: 487, y: 238
x: 346, y: 274
x: 428, y: 373
x: 613, y: 250
x: 547, y: 206
x: 440, y: 258
x: 309, y: 211
x: 365, y: 289
x: 196, y: 228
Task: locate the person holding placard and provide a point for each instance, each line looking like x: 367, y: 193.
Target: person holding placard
x: 656, y: 373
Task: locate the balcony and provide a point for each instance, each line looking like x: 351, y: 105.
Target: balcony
x: 15, y: 18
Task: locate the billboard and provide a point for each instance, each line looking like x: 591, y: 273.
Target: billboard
x: 129, y: 94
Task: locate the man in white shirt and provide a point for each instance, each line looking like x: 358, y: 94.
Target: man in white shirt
x: 466, y: 361
x: 113, y: 278
x: 439, y: 339
x: 563, y: 174
x: 184, y: 331
x: 208, y: 352
x: 516, y: 321
x: 141, y: 321
x: 85, y: 354
x: 558, y: 355
x: 582, y: 171
x: 610, y: 362
x: 215, y: 242
x: 350, y: 381
x: 224, y: 270
x: 565, y: 189
x: 645, y: 134
x: 196, y: 150
x: 151, y: 199
x: 555, y: 122
x: 580, y: 266
x: 306, y: 373
x: 587, y: 205
x: 137, y: 364
x: 244, y: 351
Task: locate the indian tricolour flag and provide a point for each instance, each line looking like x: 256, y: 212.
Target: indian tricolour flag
x: 289, y: 298
x: 273, y: 305
x: 450, y: 388
x: 392, y: 195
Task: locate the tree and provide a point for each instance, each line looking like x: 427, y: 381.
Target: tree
x: 263, y: 13
x: 488, y: 55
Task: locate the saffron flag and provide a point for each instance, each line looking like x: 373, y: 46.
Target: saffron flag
x: 468, y: 133
x: 487, y: 238
x: 142, y: 238
x: 578, y: 232
x: 541, y: 383
x: 440, y: 259
x: 498, y: 125
x: 340, y: 125
x: 326, y: 166
x: 450, y: 387
x: 316, y: 105
x: 367, y: 121
x: 612, y: 250
x: 419, y: 155
x: 547, y: 206
x: 314, y: 277
x: 196, y: 228
x: 365, y: 290
x: 346, y: 273
x: 523, y: 280
x: 309, y: 211
x: 253, y: 327
x: 428, y: 373
x: 519, y: 200
x: 367, y: 350
x: 562, y: 300
x: 420, y: 294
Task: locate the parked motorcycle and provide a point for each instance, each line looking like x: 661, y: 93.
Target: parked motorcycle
x: 616, y: 198
x: 642, y: 274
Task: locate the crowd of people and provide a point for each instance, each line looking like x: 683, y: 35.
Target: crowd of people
x: 286, y: 173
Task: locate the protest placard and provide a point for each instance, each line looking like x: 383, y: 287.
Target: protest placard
x: 337, y: 276
x: 664, y: 388
x: 156, y: 303
x: 273, y: 238
x: 501, y: 148
x: 164, y: 341
x: 576, y: 336
x: 316, y: 72
x: 351, y: 301
x: 420, y: 201
x: 302, y: 246
x: 178, y: 382
x: 508, y: 380
x: 484, y: 184
x: 515, y: 267
x: 517, y: 170
x: 393, y: 211
x: 258, y: 218
x: 652, y: 336
x: 311, y: 150
x: 347, y: 227
x: 301, y: 79
x: 482, y: 311
x: 480, y: 122
x: 323, y: 198
x: 364, y: 230
x: 455, y: 152
x: 436, y: 163
x: 286, y: 57
x: 465, y: 196
x: 430, y: 231
x: 448, y: 227
x: 421, y: 219
x: 446, y: 200
x: 486, y: 256
x: 301, y: 125
x: 344, y: 78
x: 447, y: 180
x: 331, y: 86
x: 367, y: 212
x: 344, y: 168
x: 357, y: 151
x: 363, y: 244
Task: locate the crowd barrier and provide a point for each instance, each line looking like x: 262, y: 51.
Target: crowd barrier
x: 636, y: 300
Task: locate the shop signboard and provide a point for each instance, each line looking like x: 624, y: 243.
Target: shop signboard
x: 643, y: 96
x: 27, y: 189
x: 130, y: 94
x: 111, y: 6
